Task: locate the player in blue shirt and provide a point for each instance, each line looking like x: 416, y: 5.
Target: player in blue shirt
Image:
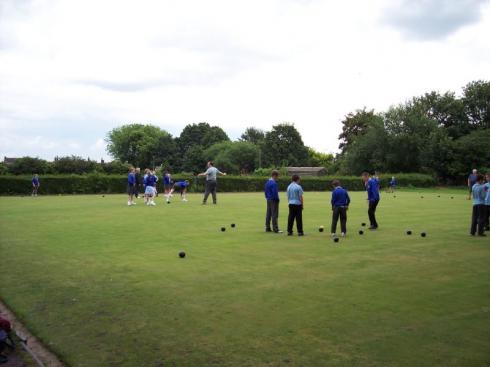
x: 182, y: 187
x: 392, y: 185
x: 487, y: 202
x: 35, y: 185
x: 478, y: 214
x: 340, y: 203
x: 295, y: 201
x: 372, y: 188
x: 150, y: 190
x: 271, y: 191
x: 137, y: 179
x: 471, y: 181
x: 131, y: 186
x: 167, y: 184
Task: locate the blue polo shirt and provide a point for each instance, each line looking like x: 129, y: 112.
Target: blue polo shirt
x: 340, y: 197
x: 131, y: 179
x: 151, y: 180
x: 182, y: 184
x: 487, y: 190
x: 472, y: 178
x: 35, y: 181
x: 271, y: 190
x: 392, y: 182
x: 372, y: 188
x: 294, y: 193
x: 166, y: 180
x: 478, y: 193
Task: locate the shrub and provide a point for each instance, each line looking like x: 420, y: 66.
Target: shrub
x: 96, y: 183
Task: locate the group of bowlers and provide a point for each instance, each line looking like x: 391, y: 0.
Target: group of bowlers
x: 149, y: 185
x: 340, y: 201
x: 150, y: 180
x: 480, y: 193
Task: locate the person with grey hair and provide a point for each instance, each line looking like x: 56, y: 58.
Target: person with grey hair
x: 471, y: 181
x: 211, y: 181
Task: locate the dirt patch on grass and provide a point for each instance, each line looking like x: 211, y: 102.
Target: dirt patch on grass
x: 19, y: 357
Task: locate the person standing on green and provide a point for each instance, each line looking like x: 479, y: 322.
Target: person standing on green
x: 35, y: 185
x: 211, y: 181
x: 295, y: 201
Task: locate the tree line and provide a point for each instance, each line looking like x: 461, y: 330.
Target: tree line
x: 150, y: 146
x: 436, y: 133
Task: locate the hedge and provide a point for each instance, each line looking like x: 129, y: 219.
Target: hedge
x: 111, y: 184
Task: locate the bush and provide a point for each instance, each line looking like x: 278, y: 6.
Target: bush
x: 114, y: 168
x: 29, y: 165
x: 96, y: 183
x: 266, y: 172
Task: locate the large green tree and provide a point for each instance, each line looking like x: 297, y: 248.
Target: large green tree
x: 141, y: 145
x: 355, y: 125
x: 201, y: 134
x: 471, y: 151
x: 446, y: 110
x: 283, y: 146
x: 253, y: 135
x: 476, y: 99
x: 234, y: 157
x: 194, y: 160
x: 29, y: 165
x: 366, y: 153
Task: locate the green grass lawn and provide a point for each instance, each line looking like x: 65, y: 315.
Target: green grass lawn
x: 101, y: 283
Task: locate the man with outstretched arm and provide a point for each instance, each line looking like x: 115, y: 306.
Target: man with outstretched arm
x: 211, y: 181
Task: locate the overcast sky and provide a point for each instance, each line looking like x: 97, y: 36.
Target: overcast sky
x: 70, y: 71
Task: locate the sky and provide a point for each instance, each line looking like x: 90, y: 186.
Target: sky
x: 70, y: 71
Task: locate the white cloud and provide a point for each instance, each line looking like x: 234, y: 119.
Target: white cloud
x: 72, y: 70
x: 432, y: 19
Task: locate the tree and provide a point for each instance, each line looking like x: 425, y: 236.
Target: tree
x: 253, y: 135
x: 233, y: 157
x: 355, y: 125
x: 318, y: 159
x: 471, y: 151
x: 283, y: 146
x: 446, y: 110
x: 367, y: 152
x: 74, y: 164
x: 194, y: 160
x: 201, y: 134
x: 476, y: 100
x: 141, y: 145
x: 408, y: 132
x: 3, y: 168
x: 29, y: 165
x: 114, y: 167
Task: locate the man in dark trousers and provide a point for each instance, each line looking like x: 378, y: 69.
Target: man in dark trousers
x: 479, y: 209
x: 137, y: 179
x: 471, y: 181
x: 272, y: 197
x: 372, y: 188
x: 211, y: 181
x: 295, y: 201
x: 340, y: 203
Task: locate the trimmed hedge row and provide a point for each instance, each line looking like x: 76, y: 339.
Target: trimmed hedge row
x: 111, y: 184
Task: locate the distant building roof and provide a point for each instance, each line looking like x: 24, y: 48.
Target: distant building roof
x: 307, y: 171
x: 7, y: 160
